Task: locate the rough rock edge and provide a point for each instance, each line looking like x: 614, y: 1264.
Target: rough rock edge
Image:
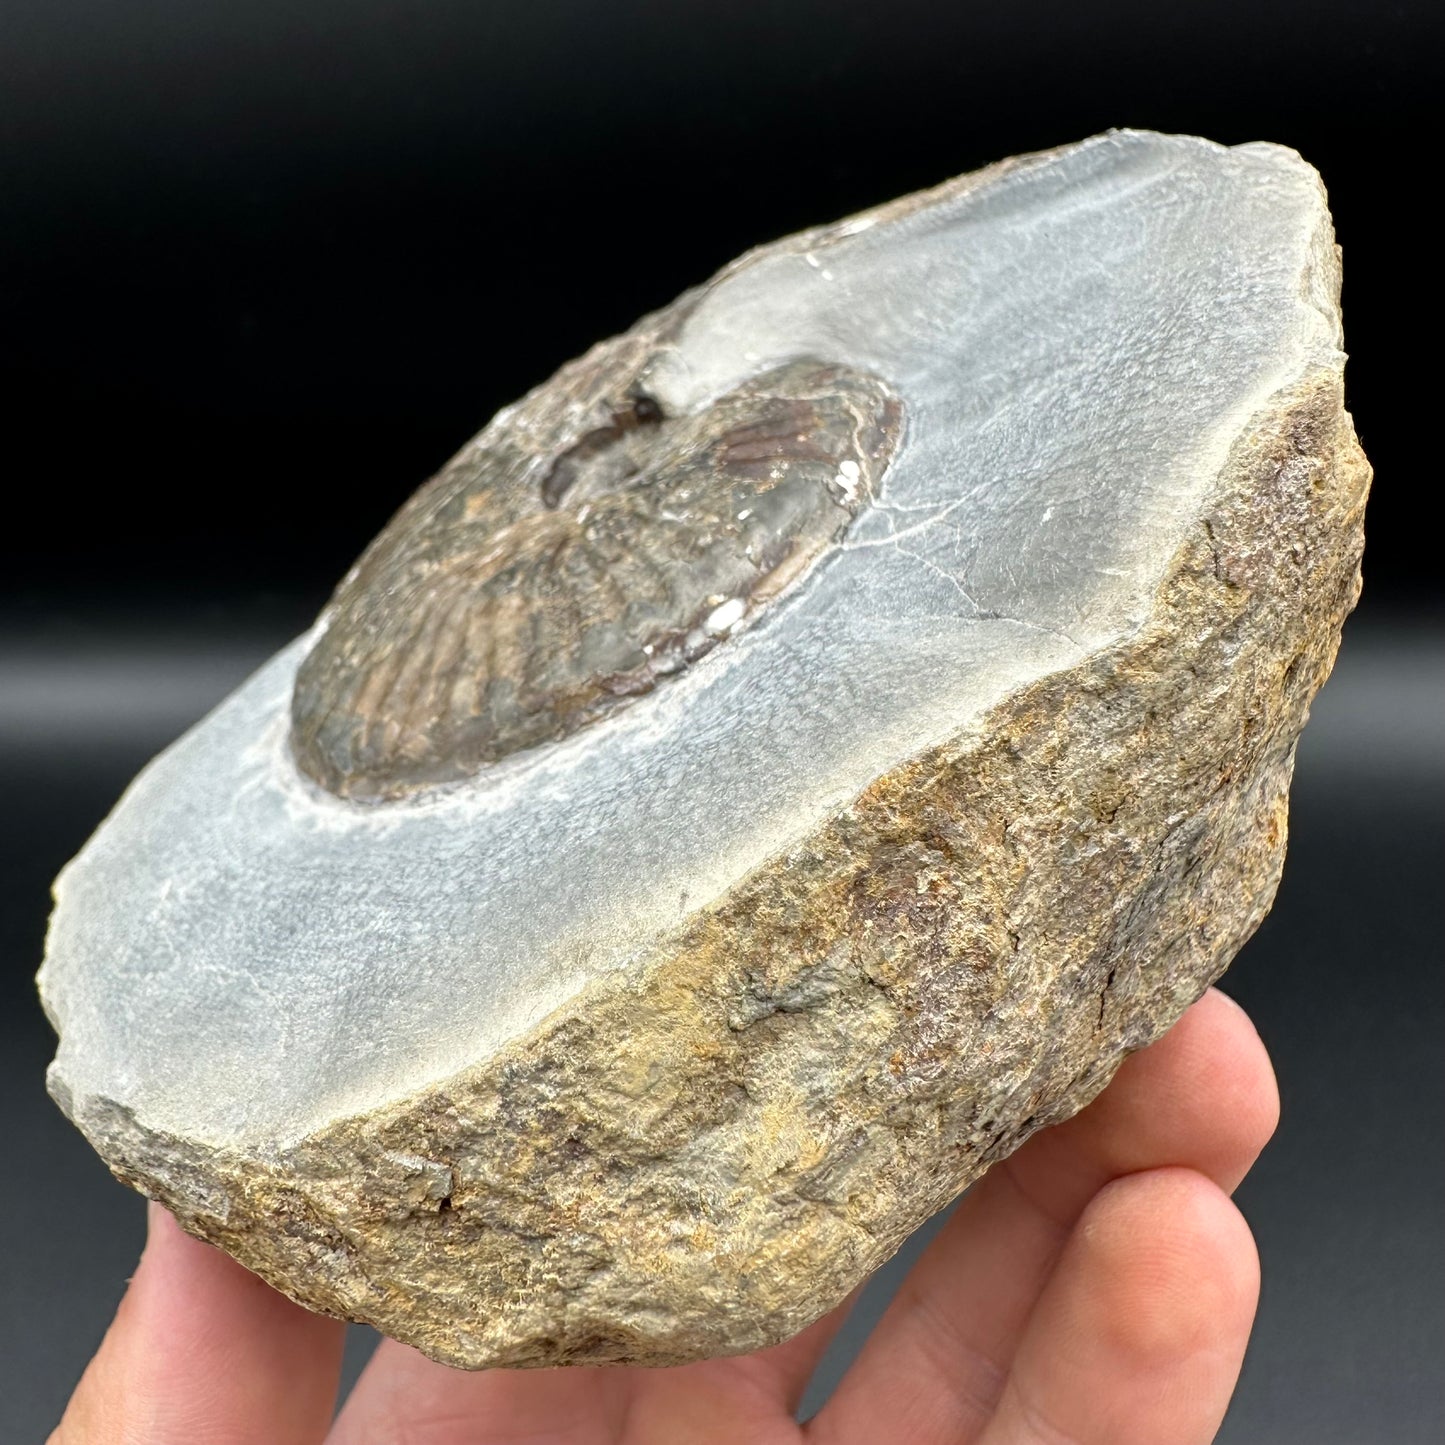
x: 702, y: 1153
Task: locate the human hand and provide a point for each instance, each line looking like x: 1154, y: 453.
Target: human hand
x: 1096, y: 1288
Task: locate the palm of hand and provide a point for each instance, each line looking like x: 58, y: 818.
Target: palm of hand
x: 1098, y: 1286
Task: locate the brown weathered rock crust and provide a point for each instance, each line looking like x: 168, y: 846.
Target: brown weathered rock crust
x: 785, y: 1089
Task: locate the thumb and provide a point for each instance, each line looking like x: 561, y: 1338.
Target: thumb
x: 202, y: 1350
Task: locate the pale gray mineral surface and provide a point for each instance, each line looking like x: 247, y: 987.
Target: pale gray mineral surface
x: 645, y: 1036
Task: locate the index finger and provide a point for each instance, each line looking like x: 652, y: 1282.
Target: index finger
x: 1202, y: 1098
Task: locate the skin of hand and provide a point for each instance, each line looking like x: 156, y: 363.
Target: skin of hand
x: 1096, y: 1288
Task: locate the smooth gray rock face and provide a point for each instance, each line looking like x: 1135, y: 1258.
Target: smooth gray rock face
x: 1114, y: 360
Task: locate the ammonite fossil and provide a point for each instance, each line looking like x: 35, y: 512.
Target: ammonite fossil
x: 584, y: 547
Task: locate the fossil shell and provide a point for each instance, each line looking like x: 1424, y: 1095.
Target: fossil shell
x: 566, y: 562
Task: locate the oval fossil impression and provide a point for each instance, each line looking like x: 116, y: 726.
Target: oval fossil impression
x: 570, y: 561
x: 790, y: 756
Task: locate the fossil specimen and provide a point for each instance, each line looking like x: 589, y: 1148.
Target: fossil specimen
x: 784, y: 761
x: 544, y: 578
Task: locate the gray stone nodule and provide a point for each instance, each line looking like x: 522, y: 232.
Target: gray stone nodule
x: 782, y: 763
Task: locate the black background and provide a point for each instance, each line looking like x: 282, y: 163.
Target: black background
x: 264, y: 266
